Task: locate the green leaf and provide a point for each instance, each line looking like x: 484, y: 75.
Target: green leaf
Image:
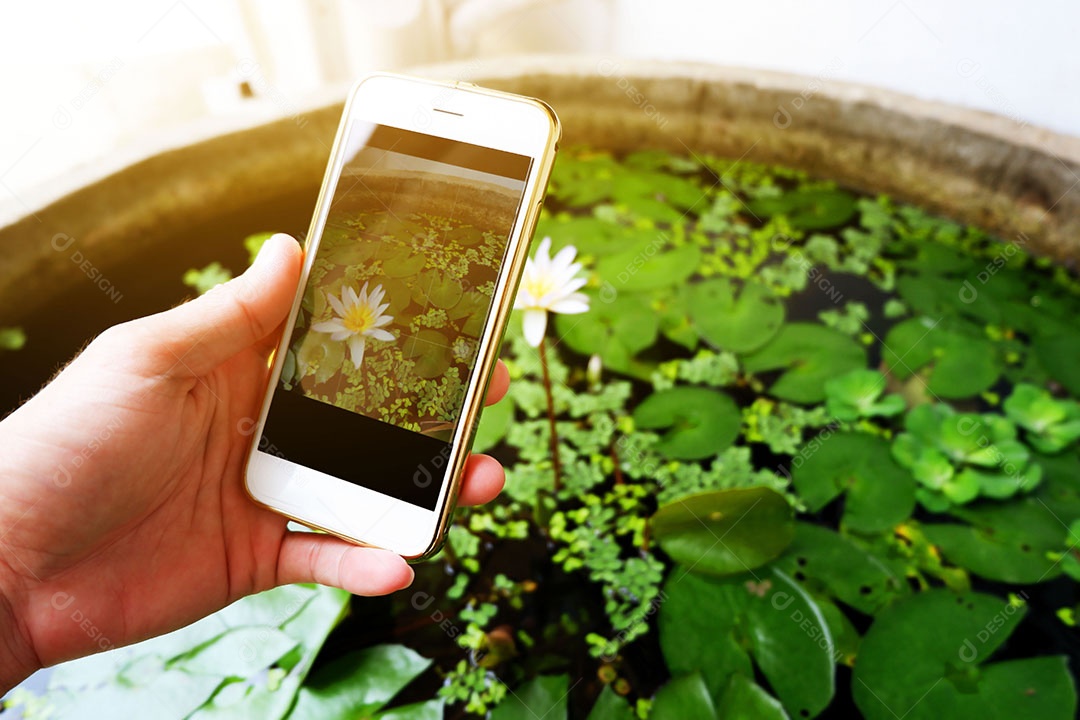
x: 541, y: 697
x: 682, y: 698
x: 725, y: 532
x: 880, y: 494
x: 1052, y: 425
x: 702, y: 422
x: 810, y: 355
x: 239, y: 652
x: 855, y: 395
x: 961, y: 365
x: 828, y: 562
x: 610, y: 706
x: 615, y: 330
x: 12, y: 338
x: 743, y: 699
x: 495, y: 421
x: 253, y: 244
x: 1004, y: 542
x: 172, y: 695
x: 739, y: 325
x: 923, y: 658
x: 808, y: 209
x: 430, y: 710
x: 431, y: 352
x: 713, y: 626
x: 204, y: 279
x: 646, y: 265
x: 359, y: 683
x: 318, y: 351
x: 1057, y: 353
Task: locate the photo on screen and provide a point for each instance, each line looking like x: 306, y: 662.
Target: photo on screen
x: 402, y: 282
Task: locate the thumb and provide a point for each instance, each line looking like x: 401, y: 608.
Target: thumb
x: 198, y: 336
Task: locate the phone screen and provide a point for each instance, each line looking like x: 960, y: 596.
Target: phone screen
x: 385, y: 343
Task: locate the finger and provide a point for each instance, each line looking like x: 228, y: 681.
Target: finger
x: 198, y: 336
x: 484, y: 479
x: 311, y: 557
x: 500, y: 383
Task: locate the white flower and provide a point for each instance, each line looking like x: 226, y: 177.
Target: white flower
x: 359, y: 317
x: 549, y: 284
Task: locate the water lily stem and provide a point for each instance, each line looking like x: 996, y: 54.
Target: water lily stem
x: 556, y: 465
x: 617, y: 465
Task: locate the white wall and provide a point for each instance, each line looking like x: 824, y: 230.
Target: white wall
x: 82, y: 81
x: 1018, y: 59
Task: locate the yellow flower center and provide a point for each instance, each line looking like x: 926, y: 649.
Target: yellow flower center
x: 358, y: 318
x: 538, y: 287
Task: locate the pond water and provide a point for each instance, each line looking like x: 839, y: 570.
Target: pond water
x: 797, y: 426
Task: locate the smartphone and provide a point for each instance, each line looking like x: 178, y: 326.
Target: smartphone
x: 412, y: 261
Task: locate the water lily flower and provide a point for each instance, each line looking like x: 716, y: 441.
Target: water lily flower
x: 549, y: 284
x: 359, y: 317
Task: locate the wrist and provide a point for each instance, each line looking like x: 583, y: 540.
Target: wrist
x: 18, y: 660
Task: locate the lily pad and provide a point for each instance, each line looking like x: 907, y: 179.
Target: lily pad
x: 725, y: 532
x: 649, y: 265
x: 925, y: 658
x: 358, y: 684
x: 543, y: 696
x: 438, y: 289
x: 428, y: 348
x: 1008, y: 543
x: 828, y: 562
x: 960, y: 365
x: 715, y: 626
x: 879, y: 493
x: 609, y: 706
x: 738, y: 324
x: 702, y: 422
x: 615, y: 330
x: 810, y: 356
x: 1057, y: 353
x: 808, y: 209
x: 683, y: 697
x: 744, y: 698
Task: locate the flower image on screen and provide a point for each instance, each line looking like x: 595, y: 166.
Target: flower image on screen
x: 400, y: 287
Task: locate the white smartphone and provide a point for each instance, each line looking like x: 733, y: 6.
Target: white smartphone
x: 413, y: 258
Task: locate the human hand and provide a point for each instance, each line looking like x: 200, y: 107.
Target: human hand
x: 121, y: 482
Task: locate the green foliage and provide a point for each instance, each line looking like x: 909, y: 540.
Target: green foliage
x: 12, y: 338
x: 361, y: 684
x: 1013, y: 543
x: 699, y: 422
x: 207, y: 278
x: 1051, y: 425
x: 780, y: 425
x: 828, y: 563
x: 250, y: 657
x: 878, y: 493
x: 738, y: 325
x: 762, y: 619
x: 809, y: 356
x: 858, y: 394
x: 683, y: 697
x: 741, y: 464
x: 725, y: 532
x: 544, y: 696
x: 959, y: 364
x: 926, y: 657
x: 808, y: 209
x: 958, y: 457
